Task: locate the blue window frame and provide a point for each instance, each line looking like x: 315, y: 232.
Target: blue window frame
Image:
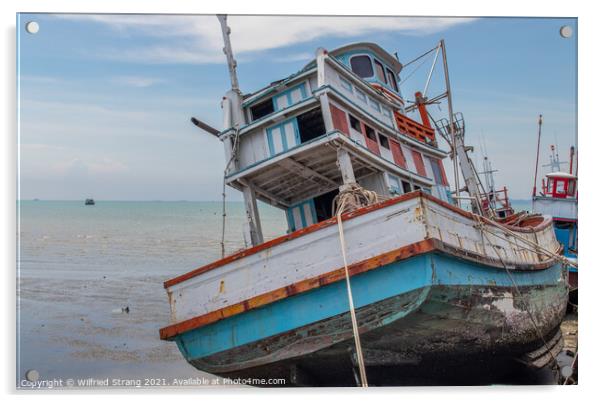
x: 301, y: 215
x: 289, y: 97
x: 376, y: 71
x: 283, y: 136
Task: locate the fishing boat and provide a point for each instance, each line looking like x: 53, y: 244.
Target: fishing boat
x: 494, y: 200
x: 89, y: 202
x: 381, y: 268
x: 558, y: 199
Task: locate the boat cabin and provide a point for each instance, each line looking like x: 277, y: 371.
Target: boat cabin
x: 340, y: 119
x: 560, y: 185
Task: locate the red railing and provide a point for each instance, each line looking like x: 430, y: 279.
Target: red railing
x: 414, y: 129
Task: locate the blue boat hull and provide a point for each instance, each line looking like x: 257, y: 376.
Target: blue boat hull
x: 428, y: 307
x: 567, y: 236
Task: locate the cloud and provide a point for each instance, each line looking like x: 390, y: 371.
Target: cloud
x: 78, y: 167
x: 39, y: 79
x: 137, y: 81
x: 295, y: 57
x: 198, y: 40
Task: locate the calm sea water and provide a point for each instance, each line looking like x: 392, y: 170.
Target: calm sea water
x: 79, y: 265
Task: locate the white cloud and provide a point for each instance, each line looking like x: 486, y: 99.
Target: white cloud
x: 137, y: 81
x: 197, y: 39
x: 39, y: 79
x: 77, y: 167
x: 295, y: 57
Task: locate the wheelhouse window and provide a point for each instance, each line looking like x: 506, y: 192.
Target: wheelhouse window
x: 380, y: 72
x: 311, y: 125
x: 362, y: 66
x: 571, y: 190
x: 370, y: 133
x: 407, y: 188
x: 355, y: 124
x: 560, y: 187
x: 392, y: 80
x: 384, y: 141
x: 438, y: 176
x: 262, y: 109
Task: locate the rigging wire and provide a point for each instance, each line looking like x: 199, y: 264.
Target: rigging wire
x: 421, y: 56
x: 412, y: 72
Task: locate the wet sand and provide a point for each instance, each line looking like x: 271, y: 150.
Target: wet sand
x: 74, y: 329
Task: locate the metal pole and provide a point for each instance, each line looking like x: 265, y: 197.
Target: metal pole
x: 537, y: 157
x: 451, y: 118
x: 228, y: 51
x: 428, y: 80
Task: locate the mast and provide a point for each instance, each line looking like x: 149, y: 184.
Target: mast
x: 450, y: 111
x: 537, y: 158
x: 459, y: 149
x: 234, y: 118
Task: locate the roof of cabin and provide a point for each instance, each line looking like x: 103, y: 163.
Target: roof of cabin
x: 560, y: 175
x: 276, y: 83
x: 380, y: 52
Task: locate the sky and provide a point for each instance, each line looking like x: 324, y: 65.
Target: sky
x: 105, y: 100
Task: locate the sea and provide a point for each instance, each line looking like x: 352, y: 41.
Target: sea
x: 90, y: 290
x: 90, y: 296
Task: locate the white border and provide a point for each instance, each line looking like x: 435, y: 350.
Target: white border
x: 589, y: 147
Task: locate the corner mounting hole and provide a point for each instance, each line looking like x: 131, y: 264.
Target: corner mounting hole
x: 566, y: 31
x: 32, y: 27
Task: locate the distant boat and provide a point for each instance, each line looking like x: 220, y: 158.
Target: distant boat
x: 558, y: 198
x: 90, y: 202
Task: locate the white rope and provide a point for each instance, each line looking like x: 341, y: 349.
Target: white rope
x: 351, y: 199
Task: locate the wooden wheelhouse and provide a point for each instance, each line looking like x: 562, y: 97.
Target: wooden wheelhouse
x: 341, y: 119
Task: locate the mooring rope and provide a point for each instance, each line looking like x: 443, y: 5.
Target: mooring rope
x: 232, y: 157
x: 348, y: 200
